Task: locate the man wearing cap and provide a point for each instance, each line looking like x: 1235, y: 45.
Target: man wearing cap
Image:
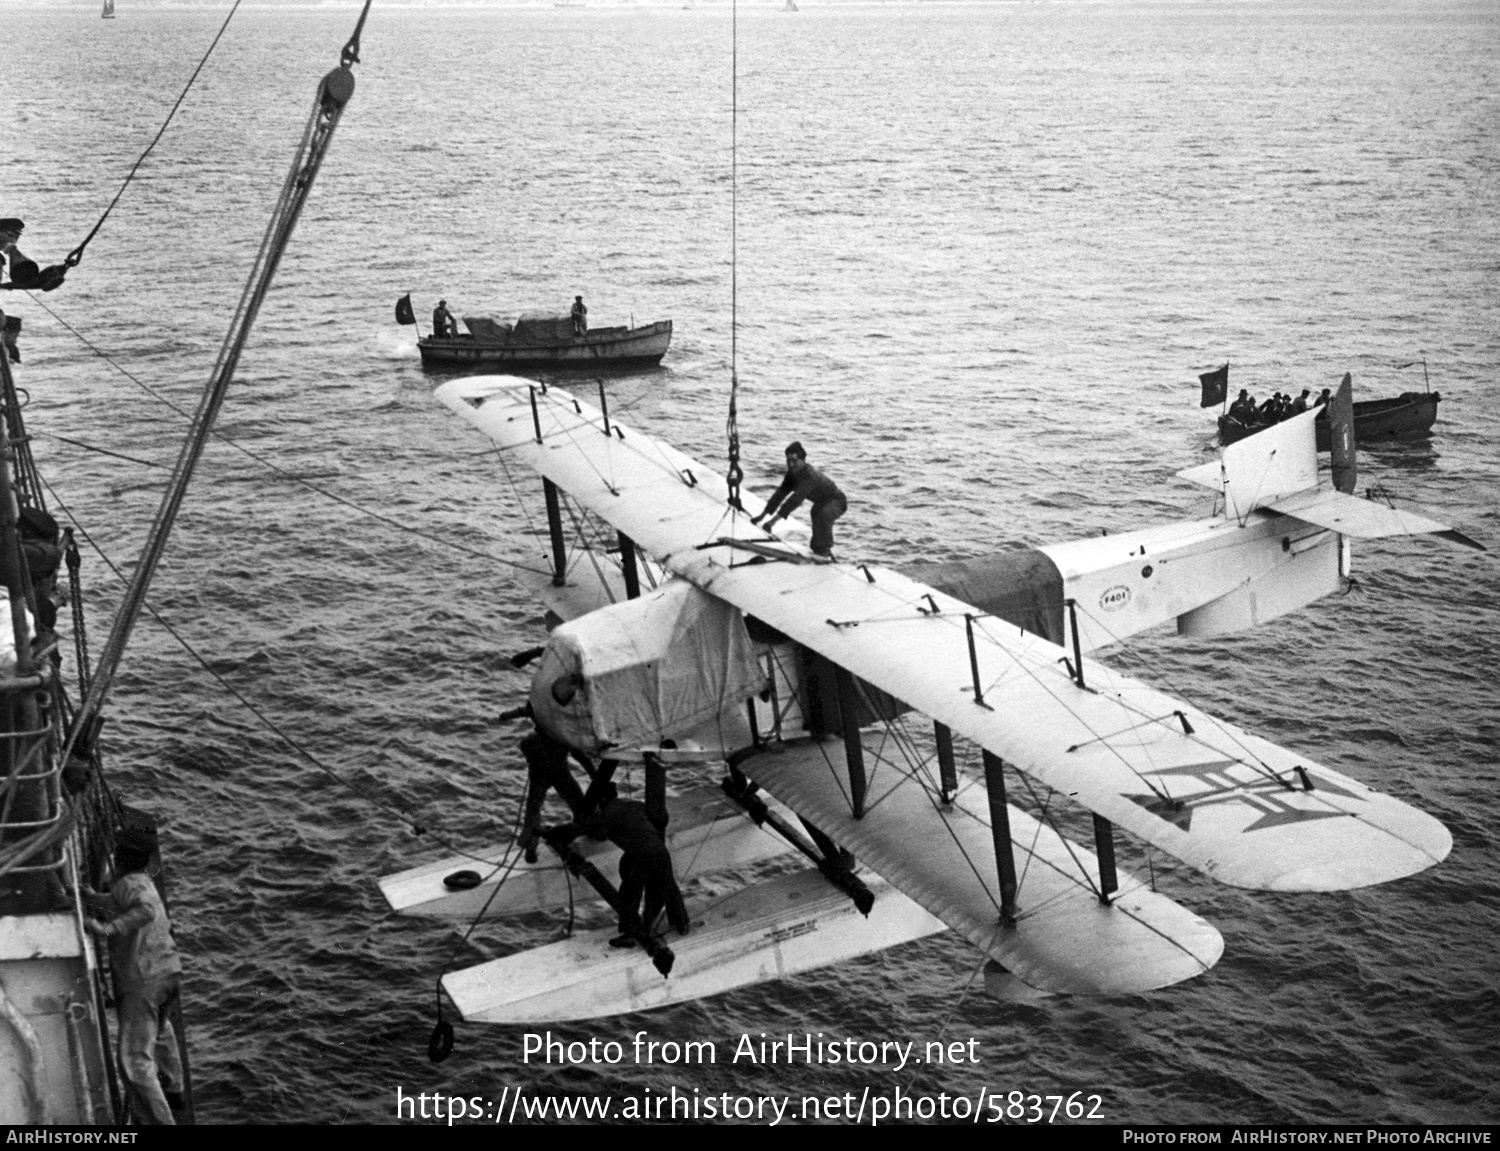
x: 805, y: 482
x: 443, y: 323
x: 147, y: 971
x: 24, y: 273
x: 580, y: 317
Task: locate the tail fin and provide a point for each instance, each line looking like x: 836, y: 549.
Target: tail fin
x: 1261, y: 469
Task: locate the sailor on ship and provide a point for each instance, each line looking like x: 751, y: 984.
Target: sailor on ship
x: 147, y: 972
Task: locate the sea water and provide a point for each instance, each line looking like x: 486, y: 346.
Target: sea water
x: 973, y: 256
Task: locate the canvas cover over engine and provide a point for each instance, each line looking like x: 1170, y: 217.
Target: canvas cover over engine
x: 645, y: 670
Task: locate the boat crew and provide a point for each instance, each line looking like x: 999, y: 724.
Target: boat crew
x: 1244, y: 407
x: 580, y: 317
x: 1299, y: 405
x: 1322, y: 400
x: 147, y: 972
x: 443, y: 323
x: 805, y: 482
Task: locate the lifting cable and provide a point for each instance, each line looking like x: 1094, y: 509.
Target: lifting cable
x: 334, y: 92
x: 732, y: 430
x: 76, y: 255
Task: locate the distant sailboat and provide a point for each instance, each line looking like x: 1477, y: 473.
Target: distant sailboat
x: 109, y: 10
x: 791, y: 6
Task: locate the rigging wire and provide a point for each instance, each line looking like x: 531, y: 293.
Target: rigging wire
x: 417, y: 827
x: 76, y: 255
x: 269, y: 464
x: 333, y: 93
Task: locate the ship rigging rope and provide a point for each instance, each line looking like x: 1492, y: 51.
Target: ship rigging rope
x: 268, y: 464
x: 76, y: 255
x: 399, y: 816
x: 333, y: 93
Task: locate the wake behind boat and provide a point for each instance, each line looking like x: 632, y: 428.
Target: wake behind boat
x: 537, y: 341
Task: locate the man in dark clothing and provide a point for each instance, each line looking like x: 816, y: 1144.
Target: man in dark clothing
x: 443, y: 323
x: 1244, y: 407
x: 1299, y: 405
x: 645, y: 862
x: 580, y: 317
x: 805, y: 482
x: 546, y: 769
x: 25, y: 273
x: 645, y: 866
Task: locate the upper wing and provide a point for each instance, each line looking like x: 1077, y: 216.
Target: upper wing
x: 1239, y: 808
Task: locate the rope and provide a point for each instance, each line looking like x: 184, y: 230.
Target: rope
x: 269, y: 464
x: 76, y: 255
x: 416, y: 827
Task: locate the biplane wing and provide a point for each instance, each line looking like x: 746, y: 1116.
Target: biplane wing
x: 1233, y: 805
x: 1228, y: 803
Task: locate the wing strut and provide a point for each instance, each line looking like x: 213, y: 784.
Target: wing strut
x: 1104, y: 848
x: 1005, y: 860
x: 946, y: 766
x: 832, y: 861
x: 628, y: 566
x: 853, y: 750
x: 555, y: 530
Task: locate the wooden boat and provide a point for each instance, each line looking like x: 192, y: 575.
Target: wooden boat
x: 535, y: 342
x: 1408, y: 416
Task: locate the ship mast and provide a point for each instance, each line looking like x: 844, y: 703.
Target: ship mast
x: 334, y: 92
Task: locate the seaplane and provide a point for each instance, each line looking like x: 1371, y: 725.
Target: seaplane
x: 889, y: 727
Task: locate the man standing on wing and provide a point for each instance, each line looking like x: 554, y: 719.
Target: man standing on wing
x: 805, y: 482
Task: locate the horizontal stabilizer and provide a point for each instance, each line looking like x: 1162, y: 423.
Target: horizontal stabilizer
x: 788, y: 925
x: 1364, y: 519
x: 706, y: 833
x: 1065, y: 939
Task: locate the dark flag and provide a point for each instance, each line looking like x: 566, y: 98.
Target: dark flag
x: 1341, y: 436
x: 1215, y: 386
x: 404, y: 314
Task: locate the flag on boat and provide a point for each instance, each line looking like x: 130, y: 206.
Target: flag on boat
x: 404, y: 314
x: 1215, y: 386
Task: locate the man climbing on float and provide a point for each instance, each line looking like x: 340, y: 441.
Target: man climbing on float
x: 645, y: 862
x: 805, y: 482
